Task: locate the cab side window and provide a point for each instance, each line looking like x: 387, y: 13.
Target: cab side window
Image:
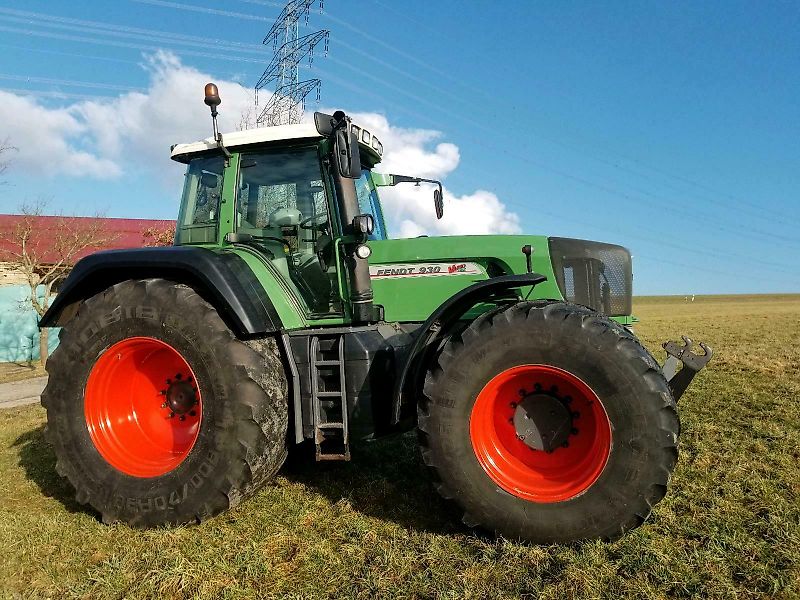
x: 202, y: 190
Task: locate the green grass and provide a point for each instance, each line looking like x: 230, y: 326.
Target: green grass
x: 729, y: 526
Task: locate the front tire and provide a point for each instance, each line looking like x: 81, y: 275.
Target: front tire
x: 157, y: 413
x: 612, y: 424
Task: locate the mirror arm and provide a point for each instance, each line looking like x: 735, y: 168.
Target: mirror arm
x: 407, y: 179
x: 437, y: 197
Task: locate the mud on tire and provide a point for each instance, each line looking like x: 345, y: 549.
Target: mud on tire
x: 621, y: 373
x: 242, y: 437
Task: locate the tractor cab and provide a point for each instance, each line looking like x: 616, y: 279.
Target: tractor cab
x: 272, y: 193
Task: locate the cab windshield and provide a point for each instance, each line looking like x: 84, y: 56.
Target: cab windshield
x: 368, y: 203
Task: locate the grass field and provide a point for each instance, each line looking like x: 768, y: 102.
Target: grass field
x: 729, y: 526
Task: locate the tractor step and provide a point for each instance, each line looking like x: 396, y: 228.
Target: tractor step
x: 331, y: 431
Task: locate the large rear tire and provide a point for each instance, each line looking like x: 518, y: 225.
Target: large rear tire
x: 157, y: 413
x: 614, y: 424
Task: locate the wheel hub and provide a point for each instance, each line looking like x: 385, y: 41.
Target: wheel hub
x: 142, y: 406
x: 542, y: 422
x: 181, y: 397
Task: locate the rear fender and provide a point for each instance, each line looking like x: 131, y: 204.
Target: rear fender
x: 222, y: 279
x: 441, y: 322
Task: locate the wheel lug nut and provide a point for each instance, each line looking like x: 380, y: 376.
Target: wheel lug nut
x: 192, y: 413
x: 565, y: 445
x: 164, y: 405
x: 171, y: 414
x: 521, y: 438
x: 163, y: 392
x: 538, y: 387
x: 567, y: 399
x: 576, y: 415
x: 523, y: 393
x: 178, y: 376
x: 182, y: 417
x: 513, y: 405
x: 169, y: 381
x: 574, y: 431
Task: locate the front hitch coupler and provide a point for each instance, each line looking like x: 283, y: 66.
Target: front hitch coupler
x: 692, y: 364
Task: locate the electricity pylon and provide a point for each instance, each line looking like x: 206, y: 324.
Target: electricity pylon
x: 287, y: 103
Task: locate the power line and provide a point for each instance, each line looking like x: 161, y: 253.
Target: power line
x: 759, y: 211
x: 540, y: 165
x: 201, y: 9
x: 120, y: 44
x: 54, y: 94
x: 69, y: 24
x: 71, y: 82
x: 72, y: 54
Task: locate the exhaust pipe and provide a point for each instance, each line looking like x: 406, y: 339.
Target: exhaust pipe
x: 346, y: 162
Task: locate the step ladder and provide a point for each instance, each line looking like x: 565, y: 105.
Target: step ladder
x: 329, y: 397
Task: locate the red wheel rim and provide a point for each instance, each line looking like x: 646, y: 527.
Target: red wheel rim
x: 536, y: 475
x: 142, y: 407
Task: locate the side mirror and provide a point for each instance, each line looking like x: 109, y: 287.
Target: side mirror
x: 348, y: 156
x: 438, y: 203
x: 364, y: 224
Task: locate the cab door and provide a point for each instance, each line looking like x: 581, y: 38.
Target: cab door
x: 283, y: 208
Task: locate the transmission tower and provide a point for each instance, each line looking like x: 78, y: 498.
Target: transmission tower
x: 288, y: 100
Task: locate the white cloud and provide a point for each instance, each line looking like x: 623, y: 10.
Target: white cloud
x: 106, y: 138
x: 142, y: 127
x: 409, y: 209
x: 49, y: 141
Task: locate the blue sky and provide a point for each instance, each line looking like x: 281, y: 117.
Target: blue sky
x: 672, y: 128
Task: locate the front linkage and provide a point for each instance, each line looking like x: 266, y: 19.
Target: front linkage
x: 692, y: 364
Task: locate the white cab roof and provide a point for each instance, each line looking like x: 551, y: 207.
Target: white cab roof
x: 302, y: 131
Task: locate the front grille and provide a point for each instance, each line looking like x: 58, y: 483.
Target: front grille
x: 594, y: 274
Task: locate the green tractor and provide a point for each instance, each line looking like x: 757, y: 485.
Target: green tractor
x: 284, y: 315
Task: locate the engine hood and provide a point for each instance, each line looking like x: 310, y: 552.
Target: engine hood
x: 412, y: 277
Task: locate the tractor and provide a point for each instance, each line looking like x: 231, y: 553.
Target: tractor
x: 284, y: 316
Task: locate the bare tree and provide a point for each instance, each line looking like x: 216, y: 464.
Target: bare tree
x: 44, y: 253
x: 247, y: 119
x: 5, y: 149
x: 158, y: 236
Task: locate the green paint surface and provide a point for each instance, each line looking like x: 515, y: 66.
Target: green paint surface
x: 415, y: 298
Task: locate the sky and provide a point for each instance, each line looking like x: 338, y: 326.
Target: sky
x: 672, y: 128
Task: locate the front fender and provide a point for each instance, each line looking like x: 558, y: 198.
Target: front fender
x: 440, y: 322
x: 222, y: 279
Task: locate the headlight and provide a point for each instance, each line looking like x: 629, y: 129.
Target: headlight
x: 363, y: 251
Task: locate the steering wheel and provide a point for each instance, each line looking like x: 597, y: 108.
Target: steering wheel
x: 314, y: 222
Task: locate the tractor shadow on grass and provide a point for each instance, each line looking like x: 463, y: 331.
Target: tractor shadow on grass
x: 37, y: 458
x: 385, y: 480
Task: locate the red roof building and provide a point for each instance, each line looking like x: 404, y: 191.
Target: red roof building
x: 50, y: 234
